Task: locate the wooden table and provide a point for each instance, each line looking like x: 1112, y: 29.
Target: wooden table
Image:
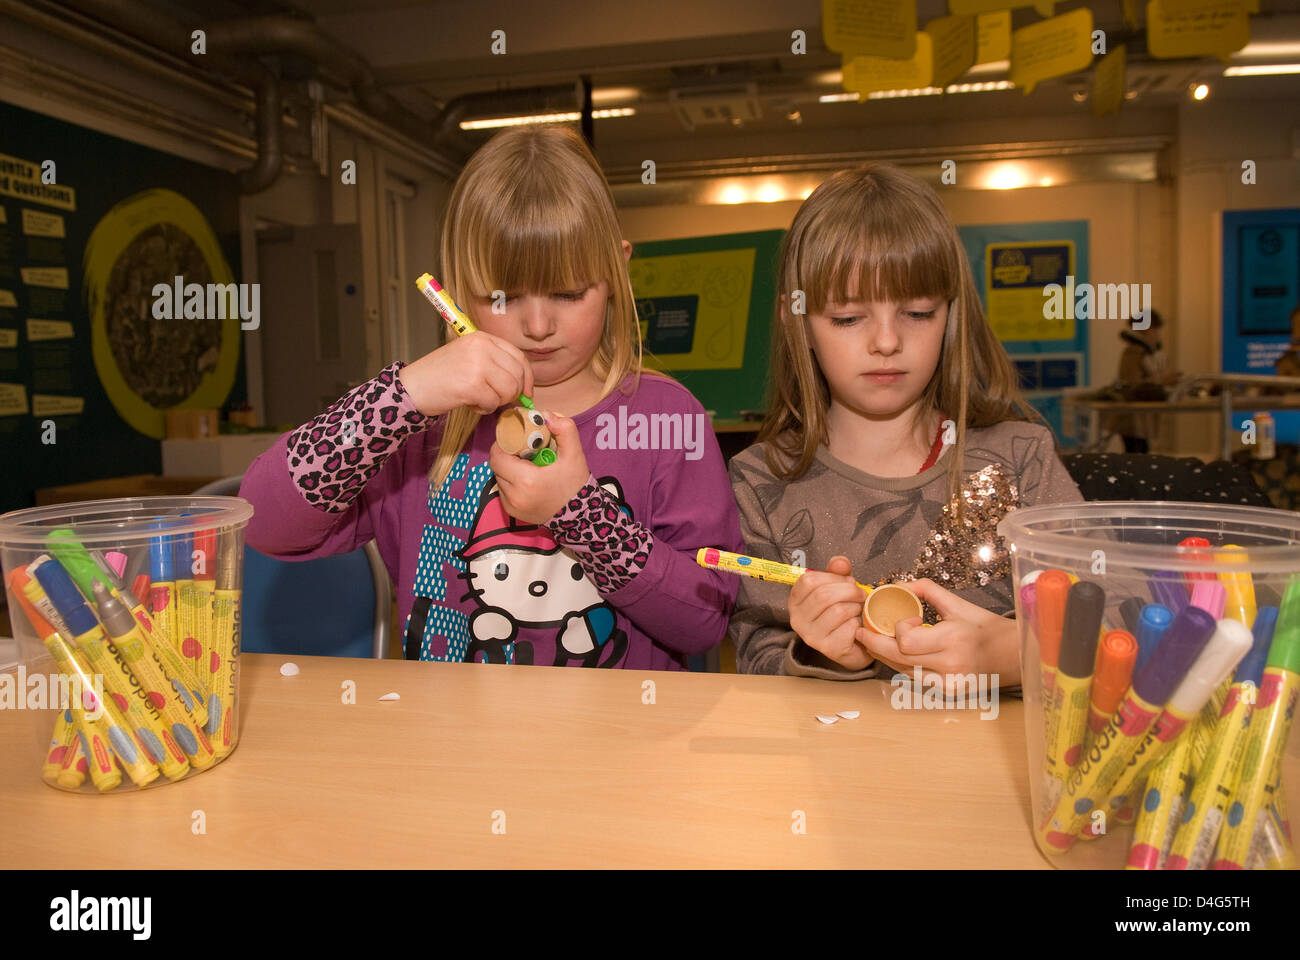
x: 585, y: 773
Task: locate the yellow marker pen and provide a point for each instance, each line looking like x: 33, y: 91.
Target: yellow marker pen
x: 121, y: 628
x: 456, y: 318
x: 162, y: 590
x: 225, y: 632
x: 1220, y: 773
x: 1240, y: 587
x: 63, y: 743
x: 1168, y: 780
x: 122, y: 685
x: 1270, y: 725
x: 103, y: 728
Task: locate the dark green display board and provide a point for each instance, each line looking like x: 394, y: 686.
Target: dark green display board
x: 83, y: 359
x: 706, y: 306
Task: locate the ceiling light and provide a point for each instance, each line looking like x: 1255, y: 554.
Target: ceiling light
x: 1199, y: 91
x: 839, y: 98
x: 1262, y: 70
x: 568, y: 117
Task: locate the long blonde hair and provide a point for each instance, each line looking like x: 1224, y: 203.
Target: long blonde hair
x: 877, y: 233
x: 532, y: 213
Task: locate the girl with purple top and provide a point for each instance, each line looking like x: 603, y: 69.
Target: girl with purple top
x: 588, y: 561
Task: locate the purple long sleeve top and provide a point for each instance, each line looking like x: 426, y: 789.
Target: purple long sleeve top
x: 609, y: 581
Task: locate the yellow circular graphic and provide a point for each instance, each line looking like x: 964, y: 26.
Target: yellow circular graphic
x: 149, y: 364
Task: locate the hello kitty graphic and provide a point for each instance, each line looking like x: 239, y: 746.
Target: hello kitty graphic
x: 520, y: 579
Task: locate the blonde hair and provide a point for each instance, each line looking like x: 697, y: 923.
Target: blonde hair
x: 876, y: 233
x: 532, y: 213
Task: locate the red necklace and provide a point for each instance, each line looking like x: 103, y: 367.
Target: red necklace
x: 936, y: 448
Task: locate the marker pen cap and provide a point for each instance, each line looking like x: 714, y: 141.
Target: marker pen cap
x: 1116, y: 657
x: 1083, y: 609
x: 205, y: 542
x: 1152, y: 624
x: 228, y: 562
x: 65, y: 596
x: 1030, y: 577
x: 1198, y: 554
x: 1285, y: 649
x: 113, y: 613
x: 1228, y: 644
x: 1167, y: 589
x: 1178, y: 649
x: 1131, y: 610
x: 17, y: 581
x: 1252, y: 665
x: 1029, y: 604
x: 67, y: 549
x: 162, y: 567
x: 1052, y: 588
x: 1210, y: 596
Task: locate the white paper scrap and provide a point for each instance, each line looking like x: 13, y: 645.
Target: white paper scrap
x: 289, y: 669
x: 828, y: 719
x: 390, y: 696
x: 848, y: 714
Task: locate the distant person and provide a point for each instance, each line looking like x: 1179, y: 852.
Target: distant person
x: 1288, y: 365
x: 1143, y: 375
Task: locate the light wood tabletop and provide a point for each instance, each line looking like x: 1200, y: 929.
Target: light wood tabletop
x: 486, y: 766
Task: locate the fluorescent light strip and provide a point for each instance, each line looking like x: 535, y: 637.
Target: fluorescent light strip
x: 977, y: 87
x: 569, y: 117
x: 1261, y: 70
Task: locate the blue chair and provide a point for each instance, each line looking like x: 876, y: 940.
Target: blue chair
x: 332, y: 606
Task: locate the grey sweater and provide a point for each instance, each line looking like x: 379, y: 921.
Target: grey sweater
x: 890, y: 528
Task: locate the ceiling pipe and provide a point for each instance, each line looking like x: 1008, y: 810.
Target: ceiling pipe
x: 270, y: 154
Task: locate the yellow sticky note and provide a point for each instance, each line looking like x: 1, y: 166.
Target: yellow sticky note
x: 1109, y: 83
x: 878, y: 28
x: 44, y: 405
x: 1044, y: 7
x: 868, y: 74
x: 1212, y: 27
x: 56, y: 277
x: 993, y: 36
x: 38, y: 224
x: 13, y: 399
x: 7, y: 299
x: 8, y: 338
x: 1051, y: 48
x: 953, y: 44
x: 48, y: 329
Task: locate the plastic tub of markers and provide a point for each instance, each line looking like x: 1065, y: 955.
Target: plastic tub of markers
x: 1160, y: 659
x: 127, y: 617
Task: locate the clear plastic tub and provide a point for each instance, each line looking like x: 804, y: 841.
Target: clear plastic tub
x: 1160, y: 677
x: 127, y: 617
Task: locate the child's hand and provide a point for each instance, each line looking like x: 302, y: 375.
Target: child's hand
x: 534, y: 494
x: 826, y: 612
x: 968, y: 640
x: 478, y: 371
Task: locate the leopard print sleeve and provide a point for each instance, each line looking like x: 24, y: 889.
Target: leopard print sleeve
x: 333, y: 456
x: 611, y: 547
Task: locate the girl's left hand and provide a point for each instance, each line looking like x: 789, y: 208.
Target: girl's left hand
x: 969, y: 639
x: 534, y: 494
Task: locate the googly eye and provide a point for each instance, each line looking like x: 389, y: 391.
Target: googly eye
x: 537, y: 418
x: 535, y: 440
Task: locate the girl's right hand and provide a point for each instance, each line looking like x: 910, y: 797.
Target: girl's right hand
x: 826, y: 612
x: 479, y: 371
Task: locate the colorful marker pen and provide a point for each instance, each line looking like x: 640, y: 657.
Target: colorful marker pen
x: 1168, y: 780
x: 1112, y: 749
x: 456, y: 318
x: 1116, y: 657
x: 1227, y: 645
x: 1198, y: 551
x: 125, y: 737
x: 1269, y: 726
x: 121, y: 628
x: 121, y: 683
x: 225, y: 632
x: 755, y: 567
x: 1065, y: 733
x: 1220, y: 772
x: 205, y: 584
x: 1152, y: 624
x: 1131, y: 610
x: 1052, y: 591
x: 1167, y: 590
x: 162, y: 589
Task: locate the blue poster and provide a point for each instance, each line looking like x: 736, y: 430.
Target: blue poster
x: 1261, y: 286
x: 1050, y: 355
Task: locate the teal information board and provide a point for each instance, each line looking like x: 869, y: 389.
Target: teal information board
x: 705, y: 306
